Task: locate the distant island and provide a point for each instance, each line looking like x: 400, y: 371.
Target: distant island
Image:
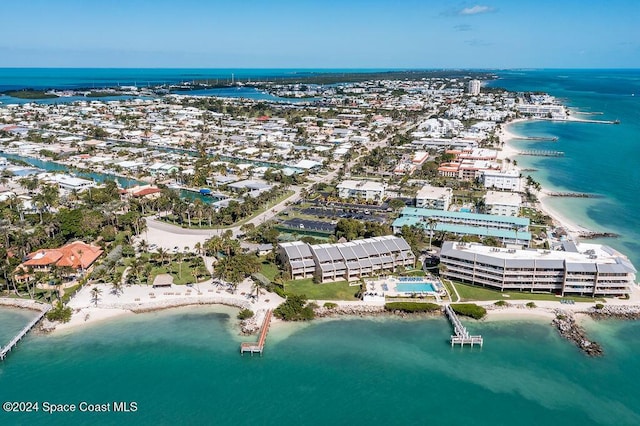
x: 30, y: 94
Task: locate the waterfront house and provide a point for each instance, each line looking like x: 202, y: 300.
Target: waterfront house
x: 76, y: 255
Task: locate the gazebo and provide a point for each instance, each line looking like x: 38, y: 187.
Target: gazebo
x: 163, y: 280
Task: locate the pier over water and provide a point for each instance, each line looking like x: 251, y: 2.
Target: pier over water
x: 461, y: 336
x: 258, y: 347
x: 539, y: 153
x: 5, y: 350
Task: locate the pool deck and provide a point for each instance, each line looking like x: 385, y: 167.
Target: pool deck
x: 379, y: 289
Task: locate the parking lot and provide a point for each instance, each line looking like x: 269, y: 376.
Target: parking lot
x: 310, y: 225
x: 343, y: 213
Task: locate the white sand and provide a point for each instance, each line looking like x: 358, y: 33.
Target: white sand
x: 140, y: 298
x: 505, y: 135
x: 519, y: 312
x: 573, y: 230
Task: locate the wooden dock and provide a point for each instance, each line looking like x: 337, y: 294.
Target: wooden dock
x: 461, y: 336
x: 258, y: 346
x: 5, y: 350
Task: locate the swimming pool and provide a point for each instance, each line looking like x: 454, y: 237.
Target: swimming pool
x: 421, y: 287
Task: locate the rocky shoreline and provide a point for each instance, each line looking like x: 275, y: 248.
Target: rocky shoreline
x: 350, y: 310
x: 568, y: 328
x: 589, y: 235
x: 626, y: 312
x: 22, y: 303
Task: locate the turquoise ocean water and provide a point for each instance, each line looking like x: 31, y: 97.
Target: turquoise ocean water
x: 182, y: 366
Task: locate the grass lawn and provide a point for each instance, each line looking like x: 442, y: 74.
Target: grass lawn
x: 470, y: 292
x: 269, y: 270
x: 414, y: 273
x: 452, y: 293
x: 174, y: 269
x: 328, y: 291
x: 68, y: 292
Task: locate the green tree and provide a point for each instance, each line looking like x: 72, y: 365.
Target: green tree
x: 350, y: 229
x: 295, y: 308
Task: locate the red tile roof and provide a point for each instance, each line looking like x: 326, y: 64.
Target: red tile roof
x: 146, y: 191
x: 76, y: 255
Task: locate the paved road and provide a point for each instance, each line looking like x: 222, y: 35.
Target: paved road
x: 167, y: 236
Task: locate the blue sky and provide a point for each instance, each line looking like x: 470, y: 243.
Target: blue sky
x: 321, y: 34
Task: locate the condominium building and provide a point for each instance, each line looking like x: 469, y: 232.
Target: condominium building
x: 345, y: 261
x: 433, y: 197
x: 537, y: 110
x: 585, y: 269
x: 364, y: 189
x: 474, y: 87
x: 503, y: 203
x: 508, y: 229
x: 502, y: 179
x: 467, y: 169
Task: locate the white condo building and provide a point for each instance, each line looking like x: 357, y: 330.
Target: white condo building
x: 365, y: 189
x: 502, y: 203
x: 585, y: 269
x: 502, y: 179
x: 433, y: 197
x: 474, y: 87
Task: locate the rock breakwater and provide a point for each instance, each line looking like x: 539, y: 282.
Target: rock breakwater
x: 568, y: 328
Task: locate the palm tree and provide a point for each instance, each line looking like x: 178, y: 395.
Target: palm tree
x: 431, y: 224
x: 162, y: 253
x: 256, y: 287
x: 95, y: 295
x: 116, y: 287
x: 515, y: 229
x: 179, y: 255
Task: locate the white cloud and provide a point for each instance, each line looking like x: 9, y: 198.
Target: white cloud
x: 475, y: 10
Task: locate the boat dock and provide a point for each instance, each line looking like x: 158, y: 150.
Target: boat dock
x: 461, y: 336
x: 258, y: 346
x: 537, y: 153
x: 5, y: 350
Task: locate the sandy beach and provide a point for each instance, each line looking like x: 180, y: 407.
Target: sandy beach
x: 505, y: 135
x: 142, y: 298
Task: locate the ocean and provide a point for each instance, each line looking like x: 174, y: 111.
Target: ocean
x: 182, y: 366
